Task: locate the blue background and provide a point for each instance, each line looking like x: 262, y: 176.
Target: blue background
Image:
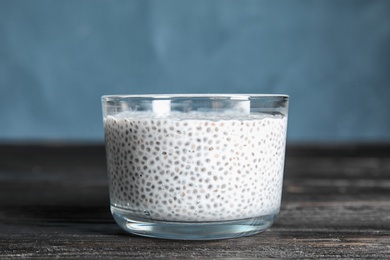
x: 57, y: 58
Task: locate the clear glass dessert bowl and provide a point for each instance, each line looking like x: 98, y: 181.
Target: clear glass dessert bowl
x: 196, y: 167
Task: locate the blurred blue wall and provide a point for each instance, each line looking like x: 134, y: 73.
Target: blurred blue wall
x: 58, y: 57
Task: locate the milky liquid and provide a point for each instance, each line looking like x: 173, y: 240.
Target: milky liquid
x: 195, y: 168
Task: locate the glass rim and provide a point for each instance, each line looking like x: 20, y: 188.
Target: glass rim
x: 243, y: 96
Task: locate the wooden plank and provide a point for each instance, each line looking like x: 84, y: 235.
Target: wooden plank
x: 105, y: 240
x: 54, y: 203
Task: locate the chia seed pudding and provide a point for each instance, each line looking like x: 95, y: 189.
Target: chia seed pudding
x: 195, y: 167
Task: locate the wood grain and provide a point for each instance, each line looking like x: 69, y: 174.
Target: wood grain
x: 54, y: 203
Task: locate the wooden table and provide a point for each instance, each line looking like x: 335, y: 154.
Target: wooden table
x: 54, y: 203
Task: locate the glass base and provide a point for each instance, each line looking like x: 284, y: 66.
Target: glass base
x: 191, y: 230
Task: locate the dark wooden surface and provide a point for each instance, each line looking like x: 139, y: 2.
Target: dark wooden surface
x: 54, y: 203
